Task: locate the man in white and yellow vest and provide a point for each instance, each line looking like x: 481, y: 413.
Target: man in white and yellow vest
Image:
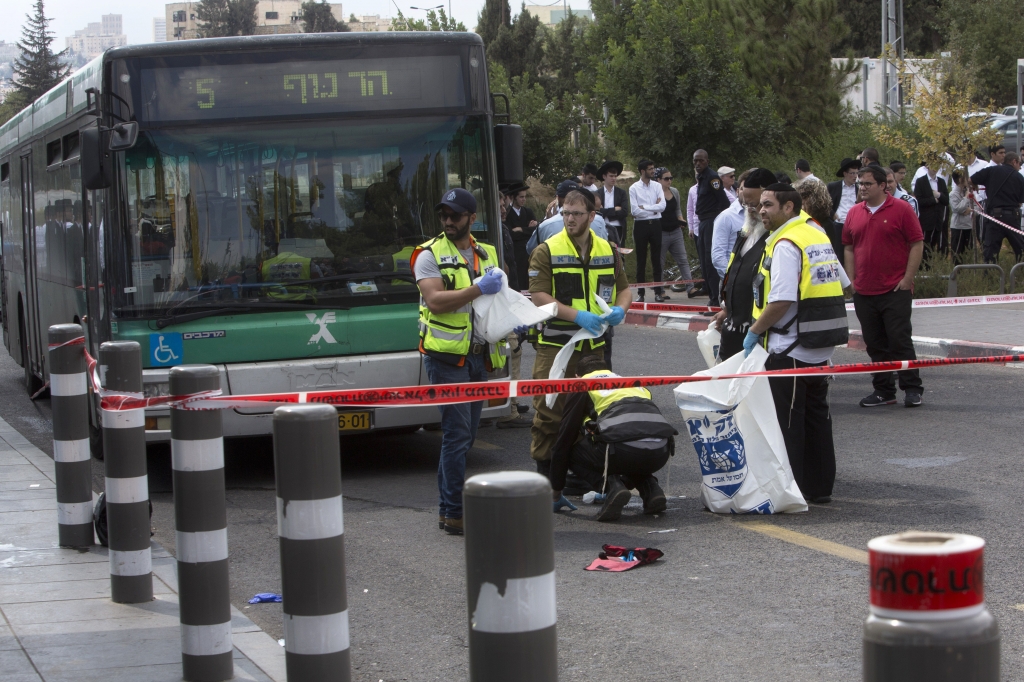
x: 572, y: 268
x: 799, y: 317
x: 615, y: 440
x: 445, y: 268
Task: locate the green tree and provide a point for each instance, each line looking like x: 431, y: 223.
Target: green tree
x: 787, y: 45
x: 352, y: 18
x: 435, y: 21
x: 672, y: 81
x: 317, y: 18
x: 923, y: 30
x: 566, y: 56
x: 515, y: 43
x: 38, y: 68
x: 219, y: 18
x: 986, y: 37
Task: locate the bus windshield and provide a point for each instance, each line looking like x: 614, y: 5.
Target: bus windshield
x: 310, y: 214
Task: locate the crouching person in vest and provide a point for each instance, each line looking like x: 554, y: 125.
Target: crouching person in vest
x: 572, y: 268
x: 614, y: 440
x: 799, y: 317
x: 445, y: 268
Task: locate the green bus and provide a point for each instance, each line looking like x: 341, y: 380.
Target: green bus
x: 250, y: 203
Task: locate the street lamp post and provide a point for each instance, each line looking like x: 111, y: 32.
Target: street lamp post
x: 427, y: 9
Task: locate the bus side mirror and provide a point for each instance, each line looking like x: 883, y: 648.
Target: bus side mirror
x: 95, y: 159
x: 508, y: 149
x: 123, y: 136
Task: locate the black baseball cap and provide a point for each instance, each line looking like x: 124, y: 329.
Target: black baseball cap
x: 566, y: 186
x: 458, y: 200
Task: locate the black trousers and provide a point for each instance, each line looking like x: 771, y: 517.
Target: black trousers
x: 647, y: 233
x: 801, y: 404
x: 732, y: 343
x: 835, y: 237
x: 932, y: 241
x: 885, y: 323
x: 959, y: 241
x: 995, y: 234
x: 587, y: 461
x: 712, y: 282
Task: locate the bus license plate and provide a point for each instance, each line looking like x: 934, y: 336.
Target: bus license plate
x: 354, y: 421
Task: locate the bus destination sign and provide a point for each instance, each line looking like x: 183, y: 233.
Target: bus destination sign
x: 222, y: 91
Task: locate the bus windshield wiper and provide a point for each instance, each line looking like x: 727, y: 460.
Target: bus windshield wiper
x: 168, y: 320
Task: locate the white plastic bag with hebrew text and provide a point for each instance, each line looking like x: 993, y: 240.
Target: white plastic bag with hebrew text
x: 740, y: 450
x: 495, y: 316
x: 709, y: 341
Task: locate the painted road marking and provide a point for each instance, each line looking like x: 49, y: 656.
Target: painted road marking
x: 484, y: 445
x: 808, y: 541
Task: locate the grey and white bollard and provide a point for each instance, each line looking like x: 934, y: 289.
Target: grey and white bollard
x: 510, y: 578
x: 127, y: 485
x: 928, y: 621
x: 307, y: 464
x: 200, y: 519
x: 69, y: 401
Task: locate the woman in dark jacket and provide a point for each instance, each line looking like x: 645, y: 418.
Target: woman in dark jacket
x: 932, y: 196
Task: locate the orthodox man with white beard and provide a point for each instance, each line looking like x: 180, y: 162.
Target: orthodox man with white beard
x: 734, y: 319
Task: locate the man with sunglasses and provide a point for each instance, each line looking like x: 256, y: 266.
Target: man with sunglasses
x: 453, y: 351
x: 572, y: 268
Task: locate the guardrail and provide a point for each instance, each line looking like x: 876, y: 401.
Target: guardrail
x: 1013, y: 272
x: 951, y: 290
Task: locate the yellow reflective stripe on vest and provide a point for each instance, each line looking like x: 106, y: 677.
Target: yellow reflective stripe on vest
x: 603, y: 399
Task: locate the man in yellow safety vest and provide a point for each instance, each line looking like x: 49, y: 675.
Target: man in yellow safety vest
x: 572, y: 268
x: 445, y: 268
x: 614, y: 440
x: 799, y: 317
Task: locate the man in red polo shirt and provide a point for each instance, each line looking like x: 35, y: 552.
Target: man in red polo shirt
x: 883, y: 245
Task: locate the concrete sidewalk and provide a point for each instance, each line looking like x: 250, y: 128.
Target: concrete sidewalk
x: 58, y: 621
x: 954, y: 332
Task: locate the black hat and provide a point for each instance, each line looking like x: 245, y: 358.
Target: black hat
x: 759, y: 178
x: 614, y: 166
x: 458, y: 200
x: 847, y: 164
x: 566, y: 186
x: 515, y: 188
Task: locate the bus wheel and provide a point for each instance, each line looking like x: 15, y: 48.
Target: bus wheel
x: 32, y: 382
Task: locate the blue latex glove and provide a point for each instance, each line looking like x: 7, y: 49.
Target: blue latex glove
x: 616, y: 316
x: 589, y: 321
x: 562, y: 502
x: 490, y: 283
x: 522, y: 330
x: 749, y: 341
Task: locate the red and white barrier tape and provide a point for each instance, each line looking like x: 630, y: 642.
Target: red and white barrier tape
x: 980, y: 212
x: 671, y: 307
x: 446, y: 394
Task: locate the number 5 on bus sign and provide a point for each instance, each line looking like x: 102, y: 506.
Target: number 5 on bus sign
x: 165, y: 349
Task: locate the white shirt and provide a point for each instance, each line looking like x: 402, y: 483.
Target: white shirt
x: 732, y: 195
x: 921, y: 170
x: 517, y: 209
x: 810, y: 177
x: 609, y: 202
x: 592, y: 188
x: 691, y: 217
x: 787, y: 264
x: 847, y: 201
x: 651, y: 196
x: 728, y: 224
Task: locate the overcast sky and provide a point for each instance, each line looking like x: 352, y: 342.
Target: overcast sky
x: 70, y: 15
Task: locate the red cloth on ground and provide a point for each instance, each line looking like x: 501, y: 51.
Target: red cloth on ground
x: 881, y: 244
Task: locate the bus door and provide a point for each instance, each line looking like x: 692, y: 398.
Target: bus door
x: 31, y: 343
x: 5, y: 246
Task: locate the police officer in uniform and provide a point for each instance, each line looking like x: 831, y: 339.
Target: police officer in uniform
x: 799, y: 317
x: 744, y: 263
x: 1005, y: 189
x: 445, y: 268
x: 624, y: 440
x: 571, y: 269
x: 711, y: 200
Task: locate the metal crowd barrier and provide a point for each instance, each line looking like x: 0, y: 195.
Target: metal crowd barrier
x: 951, y: 290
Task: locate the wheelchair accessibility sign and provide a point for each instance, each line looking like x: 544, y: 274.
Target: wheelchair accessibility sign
x: 165, y: 349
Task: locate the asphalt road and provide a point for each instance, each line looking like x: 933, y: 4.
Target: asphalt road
x: 726, y: 603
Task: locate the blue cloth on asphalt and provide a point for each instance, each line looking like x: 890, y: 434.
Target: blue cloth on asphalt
x: 265, y: 598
